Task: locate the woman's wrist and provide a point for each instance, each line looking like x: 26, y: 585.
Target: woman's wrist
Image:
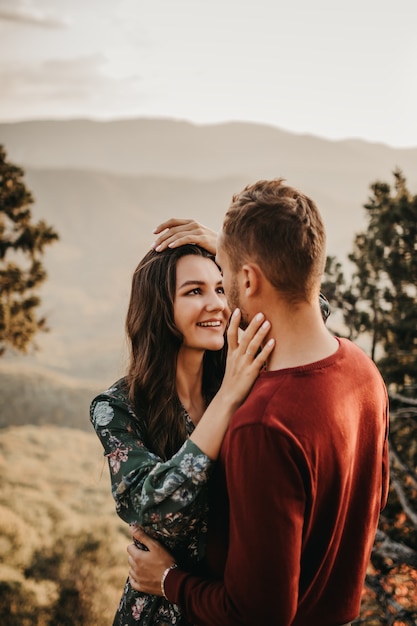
x: 226, y: 401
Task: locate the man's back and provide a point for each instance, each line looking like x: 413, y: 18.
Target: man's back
x: 303, y: 460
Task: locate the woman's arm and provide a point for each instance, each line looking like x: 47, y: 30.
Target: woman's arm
x: 162, y: 496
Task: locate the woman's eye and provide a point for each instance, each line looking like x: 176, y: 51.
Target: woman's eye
x: 220, y: 290
x: 194, y: 292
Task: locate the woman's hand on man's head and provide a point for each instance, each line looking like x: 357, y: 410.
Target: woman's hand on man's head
x: 178, y: 232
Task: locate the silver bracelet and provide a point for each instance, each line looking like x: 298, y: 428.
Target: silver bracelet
x: 164, y: 575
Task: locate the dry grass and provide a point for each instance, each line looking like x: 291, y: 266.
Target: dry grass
x: 62, y: 547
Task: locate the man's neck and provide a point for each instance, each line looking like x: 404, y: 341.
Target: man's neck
x: 301, y: 338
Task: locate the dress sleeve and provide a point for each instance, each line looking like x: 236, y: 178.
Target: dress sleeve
x: 163, y: 497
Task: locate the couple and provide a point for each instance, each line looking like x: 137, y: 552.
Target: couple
x: 262, y: 474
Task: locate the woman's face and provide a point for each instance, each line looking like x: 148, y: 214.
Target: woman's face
x: 200, y: 306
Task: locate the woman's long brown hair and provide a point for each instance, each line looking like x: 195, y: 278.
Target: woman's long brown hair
x: 154, y: 344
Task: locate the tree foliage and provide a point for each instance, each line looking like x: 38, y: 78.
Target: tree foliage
x: 380, y: 302
x: 22, y: 243
x: 381, y: 298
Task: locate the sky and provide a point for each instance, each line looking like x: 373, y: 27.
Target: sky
x: 323, y: 67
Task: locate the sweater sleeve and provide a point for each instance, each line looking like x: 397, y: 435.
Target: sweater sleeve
x: 267, y: 503
x: 164, y: 497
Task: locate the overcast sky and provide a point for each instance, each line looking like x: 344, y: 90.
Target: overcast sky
x: 329, y: 68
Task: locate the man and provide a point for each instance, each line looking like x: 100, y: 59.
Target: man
x: 303, y: 470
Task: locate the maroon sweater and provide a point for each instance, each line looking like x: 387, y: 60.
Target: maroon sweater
x: 301, y: 480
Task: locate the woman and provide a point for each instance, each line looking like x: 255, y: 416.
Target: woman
x: 162, y: 425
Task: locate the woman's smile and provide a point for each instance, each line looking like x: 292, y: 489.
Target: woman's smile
x: 210, y: 324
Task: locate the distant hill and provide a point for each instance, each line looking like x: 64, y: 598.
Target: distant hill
x: 105, y: 185
x: 178, y: 149
x: 36, y: 396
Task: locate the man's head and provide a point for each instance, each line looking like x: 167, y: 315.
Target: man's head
x: 281, y: 230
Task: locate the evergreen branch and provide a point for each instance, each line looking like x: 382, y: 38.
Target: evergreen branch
x: 392, y: 550
x: 404, y: 399
x: 411, y: 514
x: 395, y: 458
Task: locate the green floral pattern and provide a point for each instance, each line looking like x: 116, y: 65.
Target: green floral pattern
x: 167, y: 498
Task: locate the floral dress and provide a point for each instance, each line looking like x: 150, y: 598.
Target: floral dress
x: 167, y: 498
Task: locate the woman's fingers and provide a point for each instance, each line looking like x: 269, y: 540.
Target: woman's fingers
x: 178, y: 232
x: 233, y: 330
x: 140, y: 538
x: 264, y: 353
x: 254, y: 336
x: 251, y: 342
x: 171, y: 223
x: 173, y: 230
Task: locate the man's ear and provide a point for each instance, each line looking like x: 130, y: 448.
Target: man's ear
x: 251, y: 279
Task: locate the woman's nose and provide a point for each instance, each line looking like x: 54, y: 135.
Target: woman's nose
x: 217, y: 302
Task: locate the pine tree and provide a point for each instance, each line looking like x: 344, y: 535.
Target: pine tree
x: 397, y: 216
x: 22, y: 244
x: 381, y: 298
x: 380, y: 301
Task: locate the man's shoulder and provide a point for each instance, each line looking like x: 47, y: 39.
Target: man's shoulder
x: 349, y: 347
x: 357, y: 355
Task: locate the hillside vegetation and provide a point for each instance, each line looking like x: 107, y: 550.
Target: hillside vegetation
x: 63, y: 555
